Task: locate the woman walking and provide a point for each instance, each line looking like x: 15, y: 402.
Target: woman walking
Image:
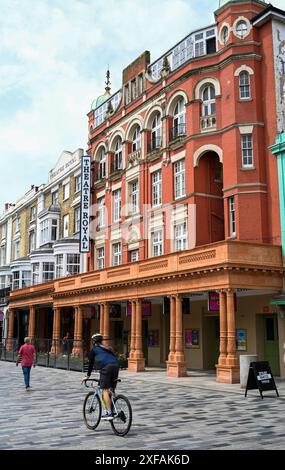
x: 27, y: 355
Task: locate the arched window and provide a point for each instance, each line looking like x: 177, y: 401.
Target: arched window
x: 179, y: 126
x: 102, y: 164
x: 156, y: 132
x: 208, y: 101
x: 244, y: 85
x: 208, y: 118
x: 118, y: 160
x: 136, y: 140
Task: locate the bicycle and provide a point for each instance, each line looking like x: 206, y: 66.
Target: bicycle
x: 94, y: 404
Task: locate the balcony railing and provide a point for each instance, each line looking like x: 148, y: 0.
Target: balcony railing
x: 99, y: 177
x: 208, y: 122
x: 178, y: 131
x: 134, y: 156
x: 154, y: 144
x: 116, y: 166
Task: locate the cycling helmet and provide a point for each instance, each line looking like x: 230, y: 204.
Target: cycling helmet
x: 97, y: 338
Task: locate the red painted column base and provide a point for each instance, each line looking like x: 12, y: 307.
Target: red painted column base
x: 176, y: 369
x: 227, y: 374
x: 136, y: 365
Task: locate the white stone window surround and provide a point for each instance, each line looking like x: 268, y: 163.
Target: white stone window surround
x: 156, y: 223
x: 116, y: 253
x: 64, y: 249
x: 21, y: 267
x: 115, y: 186
x: 65, y: 223
x: 118, y: 134
x: 234, y: 27
x: 179, y: 174
x: 40, y: 258
x: 220, y: 36
x: 179, y: 215
x: 178, y: 156
x: 98, y: 252
x: 156, y: 188
x: 66, y: 189
x: 116, y: 205
x: 49, y: 217
x: 207, y: 81
x: 157, y: 242
x: 77, y: 187
x: 77, y: 219
x: 238, y: 71
x: 135, y: 256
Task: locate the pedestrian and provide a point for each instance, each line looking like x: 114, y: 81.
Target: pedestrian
x: 27, y: 355
x: 65, y: 342
x: 109, y: 370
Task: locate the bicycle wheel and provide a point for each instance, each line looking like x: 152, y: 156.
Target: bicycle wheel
x: 122, y: 421
x: 92, y: 410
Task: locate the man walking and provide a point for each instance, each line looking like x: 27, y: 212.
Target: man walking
x: 27, y: 355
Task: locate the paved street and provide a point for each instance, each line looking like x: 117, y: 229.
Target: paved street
x: 169, y: 414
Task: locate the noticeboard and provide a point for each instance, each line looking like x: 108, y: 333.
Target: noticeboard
x: 260, y: 377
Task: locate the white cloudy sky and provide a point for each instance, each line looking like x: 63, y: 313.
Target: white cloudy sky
x: 53, y: 59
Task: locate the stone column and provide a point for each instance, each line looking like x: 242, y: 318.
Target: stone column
x: 11, y: 319
x: 133, y: 329
x: 55, y: 349
x: 171, y: 355
x: 137, y: 362
x: 101, y: 327
x: 77, y: 343
x: 177, y: 368
x: 228, y: 372
x: 138, y: 348
x: 223, y: 328
x: 106, y: 333
x: 231, y: 323
x: 32, y: 322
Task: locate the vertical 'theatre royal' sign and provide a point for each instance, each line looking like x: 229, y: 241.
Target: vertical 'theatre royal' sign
x: 85, y: 203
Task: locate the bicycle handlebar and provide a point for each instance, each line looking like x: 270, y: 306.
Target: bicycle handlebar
x: 95, y: 380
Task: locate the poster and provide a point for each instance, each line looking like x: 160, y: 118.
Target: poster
x: 146, y: 308
x: 115, y: 311
x: 192, y: 340
x: 153, y: 338
x: 241, y: 339
x: 214, y: 301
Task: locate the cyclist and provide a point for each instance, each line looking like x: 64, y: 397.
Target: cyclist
x: 109, y: 369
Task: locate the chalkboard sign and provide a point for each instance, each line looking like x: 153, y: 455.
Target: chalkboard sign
x: 260, y: 377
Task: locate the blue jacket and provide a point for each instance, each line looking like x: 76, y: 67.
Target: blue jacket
x: 103, y: 355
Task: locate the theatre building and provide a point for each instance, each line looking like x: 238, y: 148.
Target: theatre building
x: 185, y: 260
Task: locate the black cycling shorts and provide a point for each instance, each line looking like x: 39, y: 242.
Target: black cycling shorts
x: 108, y: 375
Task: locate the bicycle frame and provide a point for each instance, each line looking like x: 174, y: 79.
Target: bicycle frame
x: 98, y: 392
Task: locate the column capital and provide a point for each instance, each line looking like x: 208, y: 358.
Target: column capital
x: 230, y: 291
x: 177, y: 296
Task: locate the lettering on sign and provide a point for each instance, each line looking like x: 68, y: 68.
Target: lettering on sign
x: 85, y: 204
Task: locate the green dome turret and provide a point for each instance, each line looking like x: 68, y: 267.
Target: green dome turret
x: 102, y: 98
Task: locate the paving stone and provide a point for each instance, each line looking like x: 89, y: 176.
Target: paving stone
x: 189, y: 413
